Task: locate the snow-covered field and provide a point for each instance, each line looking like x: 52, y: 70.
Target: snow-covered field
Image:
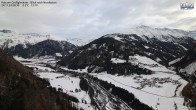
x: 191, y: 68
x: 69, y: 85
x: 162, y: 91
x: 143, y: 62
x: 148, y: 63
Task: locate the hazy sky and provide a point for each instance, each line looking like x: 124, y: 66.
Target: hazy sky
x: 94, y: 18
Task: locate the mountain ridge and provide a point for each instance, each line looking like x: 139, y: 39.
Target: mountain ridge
x: 98, y: 53
x: 26, y: 45
x: 159, y: 32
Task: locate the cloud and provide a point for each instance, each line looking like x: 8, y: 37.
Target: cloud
x: 90, y: 18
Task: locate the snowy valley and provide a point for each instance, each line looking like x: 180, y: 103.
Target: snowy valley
x: 129, y: 71
x: 162, y: 88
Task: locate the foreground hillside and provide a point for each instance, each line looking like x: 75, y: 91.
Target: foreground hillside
x: 21, y: 90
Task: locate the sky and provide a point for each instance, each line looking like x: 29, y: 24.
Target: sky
x: 93, y: 18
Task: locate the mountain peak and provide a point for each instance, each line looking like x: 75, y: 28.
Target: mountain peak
x: 158, y: 32
x: 10, y: 38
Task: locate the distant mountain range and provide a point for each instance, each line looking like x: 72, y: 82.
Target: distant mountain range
x: 33, y: 45
x: 161, y: 32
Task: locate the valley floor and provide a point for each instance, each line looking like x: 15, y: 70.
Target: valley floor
x: 161, y: 90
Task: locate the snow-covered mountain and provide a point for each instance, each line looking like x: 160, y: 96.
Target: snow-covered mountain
x: 33, y: 44
x: 138, y: 62
x: 10, y: 39
x: 160, y: 33
x: 160, y: 45
x: 125, y: 70
x: 46, y: 47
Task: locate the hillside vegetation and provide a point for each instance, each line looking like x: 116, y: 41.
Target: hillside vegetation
x: 21, y: 90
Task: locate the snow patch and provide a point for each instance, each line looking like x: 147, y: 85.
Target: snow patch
x: 114, y: 37
x: 58, y: 54
x: 191, y: 68
x: 117, y: 60
x: 176, y: 60
x: 148, y: 63
x: 69, y: 85
x: 146, y: 47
